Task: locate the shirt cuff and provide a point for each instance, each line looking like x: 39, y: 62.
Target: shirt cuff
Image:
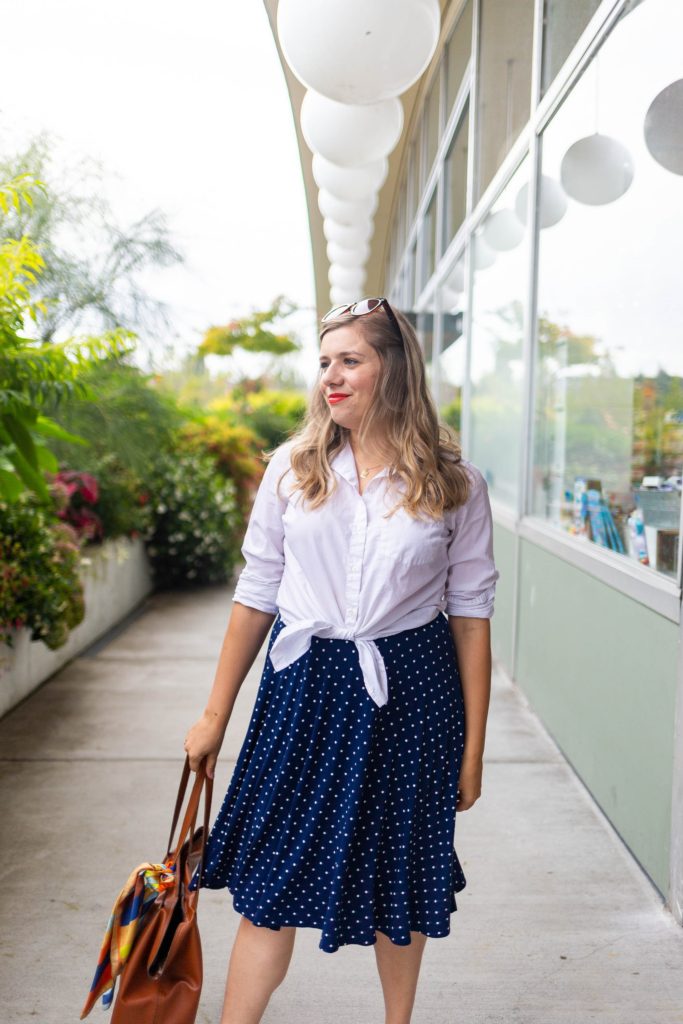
x: 256, y: 593
x: 476, y: 606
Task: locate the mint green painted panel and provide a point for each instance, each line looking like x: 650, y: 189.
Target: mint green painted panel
x: 501, y: 624
x: 599, y: 669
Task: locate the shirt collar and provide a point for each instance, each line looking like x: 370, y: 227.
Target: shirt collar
x: 344, y: 465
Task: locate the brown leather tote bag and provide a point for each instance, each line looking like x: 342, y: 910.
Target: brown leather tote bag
x: 162, y: 979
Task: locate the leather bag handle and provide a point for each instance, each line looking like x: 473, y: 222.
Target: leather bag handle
x: 188, y: 825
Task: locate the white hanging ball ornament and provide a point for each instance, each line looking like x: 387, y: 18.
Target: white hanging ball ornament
x: 349, y: 183
x: 663, y: 127
x: 350, y: 135
x: 339, y: 296
x: 348, y: 237
x: 503, y: 230
x: 553, y: 204
x: 357, y: 52
x: 346, y: 277
x: 596, y: 170
x: 346, y: 211
x: 450, y: 299
x: 482, y: 254
x: 456, y: 279
x: 355, y: 257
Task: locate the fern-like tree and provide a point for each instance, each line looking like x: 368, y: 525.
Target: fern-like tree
x: 90, y: 275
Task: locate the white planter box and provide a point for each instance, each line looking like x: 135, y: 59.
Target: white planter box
x: 116, y: 578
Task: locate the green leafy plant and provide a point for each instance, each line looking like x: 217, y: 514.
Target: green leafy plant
x: 195, y: 535
x: 235, y: 450
x: 124, y: 503
x: 131, y: 419
x: 40, y: 586
x: 31, y: 373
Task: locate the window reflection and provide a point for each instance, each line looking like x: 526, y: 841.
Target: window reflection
x: 504, y: 80
x: 412, y: 186
x: 432, y: 126
x: 456, y: 180
x: 428, y: 242
x: 500, y: 260
x: 458, y: 53
x: 424, y: 325
x: 452, y: 360
x: 608, y: 450
x: 563, y: 23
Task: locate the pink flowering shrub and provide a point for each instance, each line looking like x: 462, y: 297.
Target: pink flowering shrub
x: 75, y: 494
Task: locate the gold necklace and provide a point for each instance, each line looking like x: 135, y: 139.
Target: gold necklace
x: 364, y: 472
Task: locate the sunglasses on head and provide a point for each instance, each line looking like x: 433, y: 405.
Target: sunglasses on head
x: 362, y: 307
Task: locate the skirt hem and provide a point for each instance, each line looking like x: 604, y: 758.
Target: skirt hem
x: 332, y: 945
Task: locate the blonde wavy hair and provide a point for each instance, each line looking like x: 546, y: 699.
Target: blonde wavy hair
x: 423, y: 454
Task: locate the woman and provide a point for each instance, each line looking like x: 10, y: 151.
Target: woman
x: 367, y: 732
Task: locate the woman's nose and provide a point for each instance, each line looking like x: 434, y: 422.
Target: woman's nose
x: 330, y: 375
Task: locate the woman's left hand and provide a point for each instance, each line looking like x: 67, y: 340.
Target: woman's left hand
x: 469, y: 783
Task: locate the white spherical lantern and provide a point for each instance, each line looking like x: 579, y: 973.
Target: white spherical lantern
x: 483, y: 256
x: 553, y: 205
x: 503, y: 230
x: 663, y: 127
x: 355, y: 257
x: 455, y: 281
x: 596, y: 170
x: 346, y: 211
x: 347, y: 237
x: 450, y: 299
x: 347, y: 277
x: 338, y: 295
x: 350, y: 135
x: 349, y: 183
x: 357, y: 52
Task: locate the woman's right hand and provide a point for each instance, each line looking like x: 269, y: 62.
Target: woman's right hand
x: 204, y: 740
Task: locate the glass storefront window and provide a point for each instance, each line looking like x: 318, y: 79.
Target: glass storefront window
x: 563, y: 23
x: 504, y: 81
x: 455, y: 180
x: 452, y: 360
x: 424, y: 326
x: 433, y: 125
x: 500, y: 262
x: 428, y: 230
x: 458, y: 53
x: 412, y: 189
x: 608, y: 447
x: 400, y: 220
x: 409, y: 300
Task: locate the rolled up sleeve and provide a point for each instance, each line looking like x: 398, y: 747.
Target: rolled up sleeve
x: 472, y: 574
x: 263, y: 548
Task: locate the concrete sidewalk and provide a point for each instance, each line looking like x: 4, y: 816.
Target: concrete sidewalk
x: 557, y: 922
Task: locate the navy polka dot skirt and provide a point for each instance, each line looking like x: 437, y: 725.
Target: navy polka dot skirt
x: 340, y: 814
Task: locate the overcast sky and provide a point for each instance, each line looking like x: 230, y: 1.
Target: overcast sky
x: 186, y: 106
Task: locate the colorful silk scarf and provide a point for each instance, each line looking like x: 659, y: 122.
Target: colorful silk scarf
x: 137, y: 895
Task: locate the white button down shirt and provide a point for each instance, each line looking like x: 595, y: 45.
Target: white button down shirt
x: 343, y: 571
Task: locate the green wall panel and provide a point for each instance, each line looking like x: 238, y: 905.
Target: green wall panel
x: 600, y: 671
x: 501, y: 624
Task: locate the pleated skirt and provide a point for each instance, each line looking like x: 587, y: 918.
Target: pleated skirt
x: 340, y: 814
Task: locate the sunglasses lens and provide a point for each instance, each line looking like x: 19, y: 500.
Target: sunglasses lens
x: 366, y: 306
x: 335, y: 311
